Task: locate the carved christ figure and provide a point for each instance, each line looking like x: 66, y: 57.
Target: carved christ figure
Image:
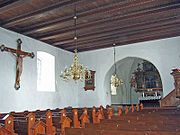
x: 19, y: 59
x: 19, y: 54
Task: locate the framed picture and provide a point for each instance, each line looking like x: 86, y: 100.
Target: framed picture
x: 89, y: 84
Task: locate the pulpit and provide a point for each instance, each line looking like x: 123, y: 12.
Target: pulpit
x: 176, y: 74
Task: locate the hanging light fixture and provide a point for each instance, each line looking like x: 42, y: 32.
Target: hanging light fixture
x: 115, y: 81
x: 76, y: 70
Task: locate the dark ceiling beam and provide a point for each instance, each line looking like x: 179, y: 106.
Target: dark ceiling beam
x: 57, y: 7
x: 142, y: 33
x: 135, y: 23
x: 124, y: 35
x: 90, y: 42
x: 122, y: 28
x: 68, y: 19
x: 51, y: 35
x: 13, y: 4
x: 4, y: 3
x: 131, y: 41
x: 93, y: 13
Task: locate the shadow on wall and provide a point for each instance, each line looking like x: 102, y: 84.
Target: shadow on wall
x: 125, y: 93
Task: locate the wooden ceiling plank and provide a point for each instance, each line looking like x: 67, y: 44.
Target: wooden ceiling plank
x: 110, y: 31
x: 6, y: 2
x: 141, y: 39
x: 124, y: 34
x: 156, y: 21
x: 87, y: 13
x: 140, y: 34
x: 90, y: 14
x: 97, y: 22
x: 13, y: 4
x: 51, y: 35
x: 57, y: 7
x: 66, y: 19
x: 124, y: 27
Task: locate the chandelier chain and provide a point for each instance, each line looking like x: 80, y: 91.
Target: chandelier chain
x: 115, y: 81
x: 76, y: 71
x: 114, y: 58
x: 75, y: 33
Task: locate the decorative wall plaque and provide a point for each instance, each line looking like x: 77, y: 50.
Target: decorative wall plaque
x: 89, y: 84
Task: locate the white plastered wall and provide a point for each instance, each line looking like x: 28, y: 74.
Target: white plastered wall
x: 164, y: 54
x: 27, y: 97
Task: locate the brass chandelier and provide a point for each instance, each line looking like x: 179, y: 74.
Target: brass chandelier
x: 115, y: 81
x: 76, y: 70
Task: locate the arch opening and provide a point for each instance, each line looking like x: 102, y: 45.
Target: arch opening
x: 125, y: 94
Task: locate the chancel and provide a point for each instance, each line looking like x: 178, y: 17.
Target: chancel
x: 146, y: 34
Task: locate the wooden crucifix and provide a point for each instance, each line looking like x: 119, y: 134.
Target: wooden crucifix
x: 19, y: 54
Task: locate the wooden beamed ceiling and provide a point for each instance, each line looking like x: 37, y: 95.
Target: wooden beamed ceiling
x: 100, y: 23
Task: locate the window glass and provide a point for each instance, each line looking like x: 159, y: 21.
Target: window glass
x: 45, y: 72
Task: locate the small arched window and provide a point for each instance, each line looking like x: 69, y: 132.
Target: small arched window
x: 45, y: 72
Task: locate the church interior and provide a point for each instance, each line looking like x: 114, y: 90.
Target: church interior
x: 83, y: 67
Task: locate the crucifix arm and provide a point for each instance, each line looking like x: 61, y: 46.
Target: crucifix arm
x: 26, y: 54
x: 9, y: 50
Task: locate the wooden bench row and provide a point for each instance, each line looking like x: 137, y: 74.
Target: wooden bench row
x: 160, y: 121
x: 7, y: 126
x: 50, y: 122
x: 28, y: 125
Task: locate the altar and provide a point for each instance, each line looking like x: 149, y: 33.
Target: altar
x: 150, y: 101
x: 146, y: 80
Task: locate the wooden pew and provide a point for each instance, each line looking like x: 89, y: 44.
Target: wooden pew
x: 136, y: 125
x: 7, y: 125
x: 65, y: 122
x: 84, y: 118
x: 95, y: 120
x: 52, y: 121
x: 4, y: 131
x: 50, y: 130
x: 75, y: 119
x: 29, y: 125
x: 44, y: 119
x: 163, y: 123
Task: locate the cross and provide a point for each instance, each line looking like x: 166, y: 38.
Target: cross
x: 19, y: 57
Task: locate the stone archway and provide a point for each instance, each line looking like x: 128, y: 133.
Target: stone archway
x: 125, y: 94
